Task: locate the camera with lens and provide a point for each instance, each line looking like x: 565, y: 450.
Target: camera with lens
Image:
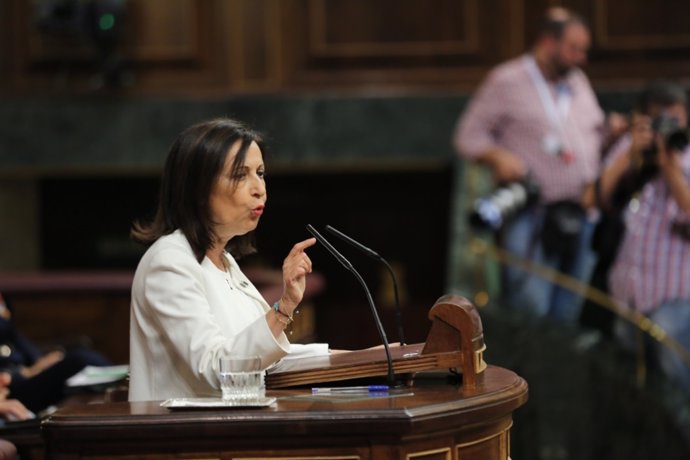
x: 492, y: 211
x: 674, y: 136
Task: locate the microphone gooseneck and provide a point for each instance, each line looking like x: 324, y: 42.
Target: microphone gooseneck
x: 346, y: 263
x: 374, y: 255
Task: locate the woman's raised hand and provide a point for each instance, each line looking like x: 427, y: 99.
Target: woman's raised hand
x: 296, y: 266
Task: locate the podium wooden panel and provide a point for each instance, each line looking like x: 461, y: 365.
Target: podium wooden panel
x: 424, y: 422
x: 427, y: 419
x: 455, y: 340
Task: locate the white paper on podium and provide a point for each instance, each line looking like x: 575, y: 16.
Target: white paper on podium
x: 299, y: 352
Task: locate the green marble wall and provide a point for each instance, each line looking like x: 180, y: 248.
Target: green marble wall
x: 126, y: 136
x: 57, y: 134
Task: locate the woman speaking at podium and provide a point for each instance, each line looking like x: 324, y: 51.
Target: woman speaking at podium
x: 191, y: 304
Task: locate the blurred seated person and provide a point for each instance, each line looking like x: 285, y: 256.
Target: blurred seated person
x: 35, y: 378
x: 8, y: 451
x: 10, y: 410
x: 651, y: 270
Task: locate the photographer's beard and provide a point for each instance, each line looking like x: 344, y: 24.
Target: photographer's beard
x: 553, y: 66
x: 562, y: 70
x: 565, y: 56
x: 560, y: 66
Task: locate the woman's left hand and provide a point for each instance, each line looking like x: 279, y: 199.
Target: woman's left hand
x: 296, y: 266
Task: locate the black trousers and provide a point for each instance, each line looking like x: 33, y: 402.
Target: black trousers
x: 48, y: 387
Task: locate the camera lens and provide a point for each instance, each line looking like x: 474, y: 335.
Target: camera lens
x: 492, y: 211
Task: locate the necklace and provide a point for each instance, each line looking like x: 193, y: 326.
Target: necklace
x: 228, y: 279
x: 226, y: 274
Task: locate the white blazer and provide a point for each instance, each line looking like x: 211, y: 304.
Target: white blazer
x: 185, y: 315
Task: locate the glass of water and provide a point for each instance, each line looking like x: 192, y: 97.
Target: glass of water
x: 241, y: 378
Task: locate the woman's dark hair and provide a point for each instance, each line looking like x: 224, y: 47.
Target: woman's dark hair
x: 194, y: 162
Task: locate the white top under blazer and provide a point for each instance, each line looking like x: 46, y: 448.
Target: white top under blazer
x: 185, y: 315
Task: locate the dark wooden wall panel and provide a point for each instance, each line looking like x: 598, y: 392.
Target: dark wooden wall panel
x: 156, y: 31
x: 216, y: 47
x: 258, y: 45
x: 637, y: 25
x: 636, y: 40
x: 397, y: 44
x: 163, y: 30
x: 169, y: 46
x: 390, y: 28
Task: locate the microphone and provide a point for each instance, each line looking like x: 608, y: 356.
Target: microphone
x: 346, y: 263
x: 374, y: 255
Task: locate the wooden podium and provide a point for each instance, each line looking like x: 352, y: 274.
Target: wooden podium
x: 455, y: 341
x: 430, y: 419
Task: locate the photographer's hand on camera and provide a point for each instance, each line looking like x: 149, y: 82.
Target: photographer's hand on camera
x: 505, y: 166
x: 617, y: 124
x: 641, y: 139
x: 669, y: 161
